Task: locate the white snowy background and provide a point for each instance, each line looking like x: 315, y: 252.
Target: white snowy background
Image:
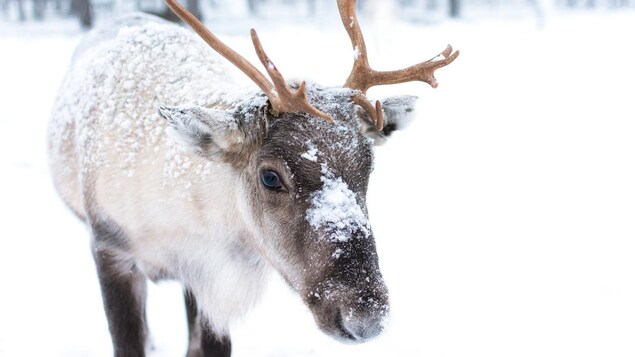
x: 504, y: 216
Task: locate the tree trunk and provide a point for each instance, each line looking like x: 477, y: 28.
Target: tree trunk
x: 455, y: 8
x: 38, y: 9
x: 21, y: 13
x: 84, y: 10
x: 252, y: 5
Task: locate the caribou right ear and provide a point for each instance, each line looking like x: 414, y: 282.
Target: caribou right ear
x: 398, y: 113
x: 204, y: 131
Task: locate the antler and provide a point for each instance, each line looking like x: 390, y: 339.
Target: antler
x: 281, y: 96
x: 288, y: 101
x: 362, y: 76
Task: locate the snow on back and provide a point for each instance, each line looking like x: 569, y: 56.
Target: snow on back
x: 119, y: 77
x: 334, y: 208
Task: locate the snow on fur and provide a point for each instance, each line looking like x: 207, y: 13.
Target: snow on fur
x: 335, y: 209
x: 142, y: 66
x: 311, y: 153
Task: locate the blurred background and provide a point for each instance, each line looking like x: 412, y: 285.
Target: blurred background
x: 504, y: 215
x: 87, y: 12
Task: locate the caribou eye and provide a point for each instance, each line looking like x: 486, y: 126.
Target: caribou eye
x: 271, y: 180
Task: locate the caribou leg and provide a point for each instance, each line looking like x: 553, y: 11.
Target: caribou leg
x: 123, y: 289
x: 203, y: 342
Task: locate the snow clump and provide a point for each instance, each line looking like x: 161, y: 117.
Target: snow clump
x: 334, y: 208
x: 311, y: 153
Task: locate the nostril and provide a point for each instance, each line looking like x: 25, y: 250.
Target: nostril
x: 353, y: 315
x: 340, y: 321
x: 359, y: 328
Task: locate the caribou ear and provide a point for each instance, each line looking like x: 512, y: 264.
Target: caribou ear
x: 204, y: 131
x: 398, y: 113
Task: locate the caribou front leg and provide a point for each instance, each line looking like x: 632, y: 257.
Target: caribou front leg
x: 203, y: 342
x: 123, y: 289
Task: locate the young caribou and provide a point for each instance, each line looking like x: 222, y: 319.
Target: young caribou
x: 178, y: 175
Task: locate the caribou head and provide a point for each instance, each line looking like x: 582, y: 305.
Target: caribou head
x: 303, y: 156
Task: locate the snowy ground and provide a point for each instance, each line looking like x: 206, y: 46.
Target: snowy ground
x: 504, y: 216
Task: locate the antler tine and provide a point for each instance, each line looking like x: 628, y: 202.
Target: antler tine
x: 379, y: 118
x: 280, y: 95
x: 286, y: 99
x: 356, y: 78
x: 423, y: 71
x: 374, y: 111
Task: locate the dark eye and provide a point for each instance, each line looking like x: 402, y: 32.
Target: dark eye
x: 271, y: 180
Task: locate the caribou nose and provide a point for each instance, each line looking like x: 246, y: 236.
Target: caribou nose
x: 364, y: 316
x: 363, y: 328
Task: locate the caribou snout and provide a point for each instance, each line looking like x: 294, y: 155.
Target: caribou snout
x: 362, y: 326
x: 348, y: 313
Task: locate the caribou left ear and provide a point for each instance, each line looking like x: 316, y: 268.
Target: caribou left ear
x: 398, y: 113
x: 204, y: 131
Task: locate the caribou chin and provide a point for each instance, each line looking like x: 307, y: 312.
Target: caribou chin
x: 179, y: 175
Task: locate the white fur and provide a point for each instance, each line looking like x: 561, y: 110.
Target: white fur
x: 110, y: 154
x: 399, y: 110
x: 200, y: 243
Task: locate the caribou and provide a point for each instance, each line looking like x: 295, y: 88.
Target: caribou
x: 179, y: 173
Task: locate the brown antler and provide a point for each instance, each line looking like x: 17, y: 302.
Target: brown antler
x: 281, y: 96
x: 288, y: 101
x: 362, y: 76
x: 374, y: 111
